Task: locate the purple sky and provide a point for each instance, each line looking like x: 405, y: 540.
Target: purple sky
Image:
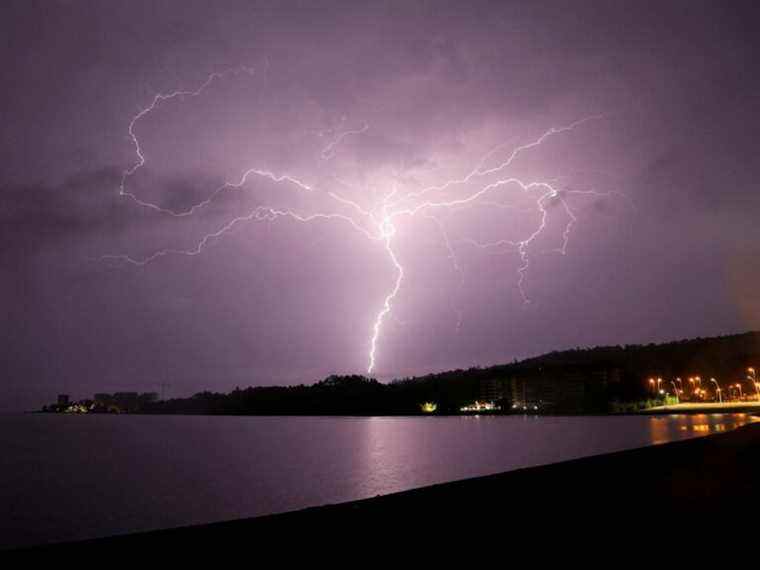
x: 355, y: 103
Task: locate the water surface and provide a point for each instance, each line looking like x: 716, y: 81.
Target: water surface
x: 67, y: 477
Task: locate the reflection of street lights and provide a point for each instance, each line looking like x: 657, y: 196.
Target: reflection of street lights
x: 752, y: 377
x: 717, y: 388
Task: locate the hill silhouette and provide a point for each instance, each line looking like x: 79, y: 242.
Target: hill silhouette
x: 607, y: 373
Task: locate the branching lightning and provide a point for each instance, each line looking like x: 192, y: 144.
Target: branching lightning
x: 378, y: 222
x: 330, y: 150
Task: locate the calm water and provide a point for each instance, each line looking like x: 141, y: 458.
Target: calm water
x: 72, y: 477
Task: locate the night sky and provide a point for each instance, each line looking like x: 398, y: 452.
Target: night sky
x: 347, y: 112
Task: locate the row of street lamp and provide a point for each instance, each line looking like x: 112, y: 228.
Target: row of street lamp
x: 655, y: 384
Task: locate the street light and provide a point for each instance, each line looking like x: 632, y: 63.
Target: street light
x: 717, y: 387
x: 741, y: 394
x: 753, y: 378
x: 675, y: 390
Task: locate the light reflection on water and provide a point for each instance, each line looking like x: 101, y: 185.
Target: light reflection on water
x: 72, y: 477
x: 667, y: 428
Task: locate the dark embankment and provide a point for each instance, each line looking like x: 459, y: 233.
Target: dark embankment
x: 660, y: 487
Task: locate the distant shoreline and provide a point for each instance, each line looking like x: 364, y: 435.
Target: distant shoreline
x: 598, y: 380
x: 658, y: 411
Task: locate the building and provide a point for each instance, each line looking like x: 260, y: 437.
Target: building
x: 102, y: 399
x: 145, y: 399
x: 493, y: 389
x: 126, y: 401
x: 566, y: 389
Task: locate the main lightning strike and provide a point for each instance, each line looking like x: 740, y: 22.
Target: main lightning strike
x: 377, y: 223
x: 388, y: 231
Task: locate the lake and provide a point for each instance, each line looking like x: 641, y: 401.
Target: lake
x: 67, y: 477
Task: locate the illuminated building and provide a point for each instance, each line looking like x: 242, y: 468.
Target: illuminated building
x: 478, y: 406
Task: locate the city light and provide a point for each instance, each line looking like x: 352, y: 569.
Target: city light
x: 700, y: 397
x: 675, y: 391
x: 717, y: 389
x: 752, y: 377
x: 477, y: 406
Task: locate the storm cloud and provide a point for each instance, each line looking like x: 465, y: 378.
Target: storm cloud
x: 413, y: 94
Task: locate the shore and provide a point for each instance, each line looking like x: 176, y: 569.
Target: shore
x: 705, y: 477
x: 706, y: 408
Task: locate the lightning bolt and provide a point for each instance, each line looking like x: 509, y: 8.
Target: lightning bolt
x: 388, y: 231
x: 376, y: 223
x: 329, y: 151
x: 453, y: 258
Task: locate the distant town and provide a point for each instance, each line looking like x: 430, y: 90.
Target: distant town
x: 683, y: 375
x: 117, y: 403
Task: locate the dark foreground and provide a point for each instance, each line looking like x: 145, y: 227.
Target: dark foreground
x: 712, y: 481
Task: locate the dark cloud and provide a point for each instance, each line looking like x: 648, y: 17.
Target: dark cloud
x: 34, y: 216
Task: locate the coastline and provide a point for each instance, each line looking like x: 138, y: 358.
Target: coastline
x: 705, y: 476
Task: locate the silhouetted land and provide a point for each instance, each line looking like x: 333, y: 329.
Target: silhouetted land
x: 593, y: 378
x: 638, y: 498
